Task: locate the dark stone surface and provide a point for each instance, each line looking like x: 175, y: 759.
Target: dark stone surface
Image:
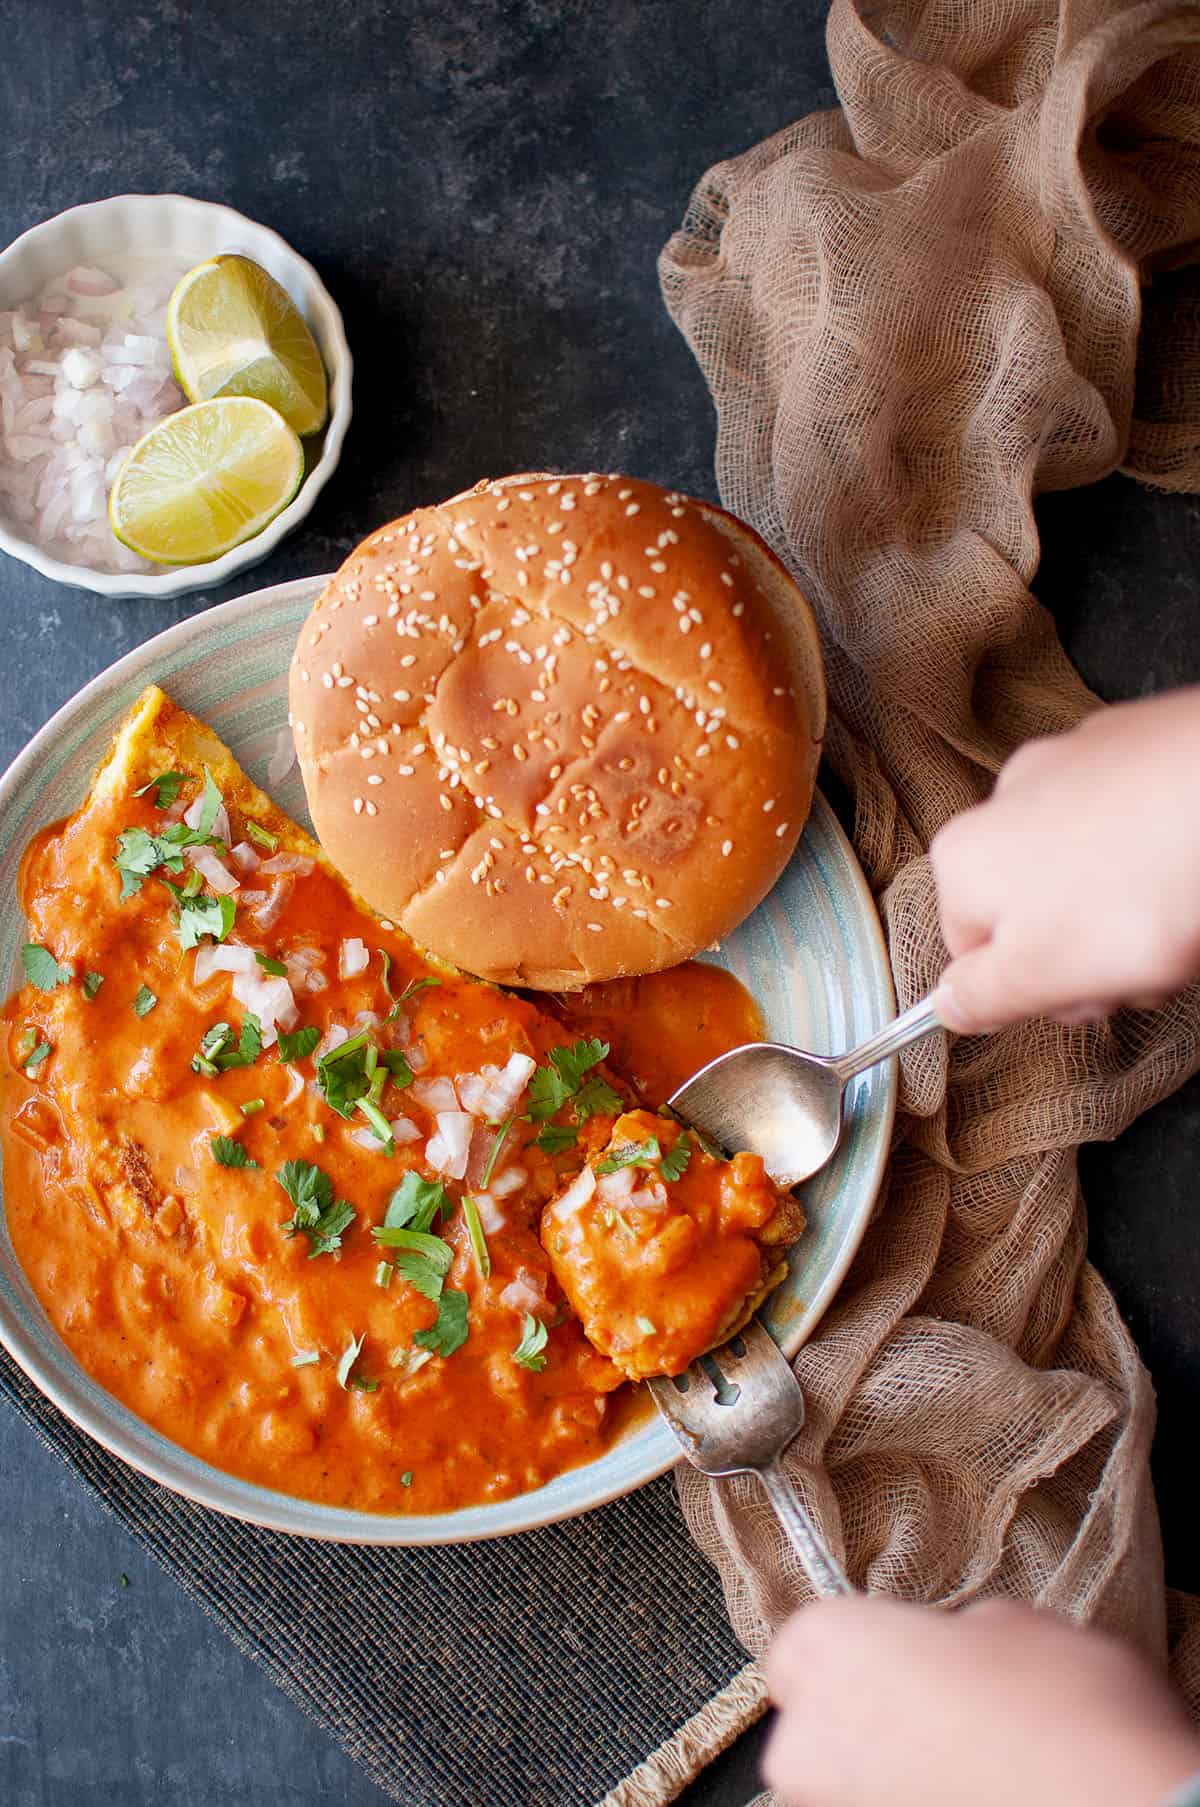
x: 484, y: 187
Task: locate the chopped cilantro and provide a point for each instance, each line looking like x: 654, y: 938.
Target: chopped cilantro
x: 252, y: 1107
x: 631, y: 1154
x: 210, y: 803
x: 138, y: 853
x: 216, y: 1054
x: 410, y: 991
x: 406, y: 1478
x: 385, y: 961
x: 647, y: 1326
x: 316, y: 1214
x: 479, y: 1247
x: 674, y: 1164
x: 552, y: 1085
x: 552, y: 1138
x: 381, y: 1129
x: 276, y: 968
x: 396, y: 1062
x: 362, y: 1385
x: 262, y: 836
x: 42, y: 969
x: 529, y: 1351
x: 415, y: 1203
x: 344, y: 1074
x: 123, y: 1578
x: 91, y: 985
x: 596, y: 1098
x: 166, y: 788
x: 350, y: 1355
x: 384, y: 1274
x: 494, y: 1151
x: 449, y: 1332
x: 37, y: 1055
x: 307, y: 1358
x: 201, y: 916
x: 228, y: 1153
x: 145, y: 1001
x: 299, y: 1045
x: 422, y: 1260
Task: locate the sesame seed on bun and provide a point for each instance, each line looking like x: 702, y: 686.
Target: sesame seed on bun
x: 560, y: 729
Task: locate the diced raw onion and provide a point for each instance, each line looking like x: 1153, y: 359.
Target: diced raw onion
x: 186, y: 1179
x: 245, y: 857
x: 446, y: 1152
x: 269, y: 998
x: 334, y: 1036
x: 315, y: 982
x: 220, y: 827
x: 266, y: 907
x: 493, y: 1093
x: 472, y: 1089
x: 288, y: 862
x: 228, y: 957
x: 511, y: 1180
x: 523, y: 1293
x: 353, y: 958
x: 295, y: 1084
x: 418, y: 1060
x: 405, y: 1130
x: 648, y: 1198
x: 613, y: 1187
x: 366, y: 1138
x: 214, y: 871
x: 490, y: 1215
x: 433, y: 1094
x: 364, y: 1019
x: 576, y: 1194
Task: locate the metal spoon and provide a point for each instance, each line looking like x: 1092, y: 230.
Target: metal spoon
x: 784, y: 1104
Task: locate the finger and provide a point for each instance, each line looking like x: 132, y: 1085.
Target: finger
x: 963, y: 908
x: 1093, y: 1012
x: 985, y: 989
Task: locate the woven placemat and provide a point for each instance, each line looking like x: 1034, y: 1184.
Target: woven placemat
x: 555, y: 1669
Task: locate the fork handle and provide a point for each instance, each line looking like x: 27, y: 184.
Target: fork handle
x: 822, y: 1568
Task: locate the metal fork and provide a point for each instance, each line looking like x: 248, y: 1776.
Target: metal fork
x: 734, y: 1411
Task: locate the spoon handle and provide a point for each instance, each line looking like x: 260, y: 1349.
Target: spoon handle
x: 920, y: 1019
x: 818, y: 1562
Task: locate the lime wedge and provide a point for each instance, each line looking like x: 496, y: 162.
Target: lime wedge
x: 233, y: 330
x: 205, y: 479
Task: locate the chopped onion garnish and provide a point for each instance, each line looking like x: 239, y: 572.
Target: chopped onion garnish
x: 446, y: 1152
x: 295, y: 1084
x: 433, y: 1094
x: 288, y: 862
x: 214, y: 871
x: 523, y: 1293
x: 244, y: 857
x: 266, y: 907
x: 353, y: 958
x: 268, y: 997
x: 577, y: 1193
x: 511, y: 1180
x: 220, y: 827
x: 648, y: 1198
x: 490, y: 1216
x: 334, y: 1036
x: 418, y: 1060
x: 613, y: 1187
x: 405, y: 1130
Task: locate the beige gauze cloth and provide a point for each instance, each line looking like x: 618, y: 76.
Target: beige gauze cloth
x: 976, y: 281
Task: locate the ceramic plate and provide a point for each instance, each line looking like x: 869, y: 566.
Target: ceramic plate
x: 812, y: 955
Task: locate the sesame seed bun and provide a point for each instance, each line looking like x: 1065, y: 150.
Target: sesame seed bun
x: 560, y: 729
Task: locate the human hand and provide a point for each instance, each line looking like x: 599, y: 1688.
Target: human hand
x: 996, y: 1705
x: 1076, y: 887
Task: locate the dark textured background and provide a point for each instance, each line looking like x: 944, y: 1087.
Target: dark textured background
x: 484, y: 187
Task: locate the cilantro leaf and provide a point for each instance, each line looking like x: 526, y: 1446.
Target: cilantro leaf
x: 217, y: 1055
x: 299, y: 1045
x: 91, y: 985
x: 415, y: 1203
x: 138, y: 853
x: 37, y: 1055
x: 421, y: 1259
x: 42, y: 969
x: 145, y: 1001
x: 276, y: 968
x: 674, y: 1164
x: 385, y: 961
x: 396, y: 1062
x: 552, y: 1085
x: 262, y: 836
x: 211, y: 801
x: 344, y: 1073
x: 166, y: 788
x: 381, y: 1129
x: 317, y: 1215
x: 528, y: 1352
x: 416, y: 985
x: 552, y: 1138
x: 450, y: 1330
x: 596, y: 1098
x: 201, y: 916
x: 494, y: 1151
x: 631, y: 1154
x: 228, y: 1153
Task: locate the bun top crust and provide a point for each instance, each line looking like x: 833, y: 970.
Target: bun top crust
x: 558, y: 728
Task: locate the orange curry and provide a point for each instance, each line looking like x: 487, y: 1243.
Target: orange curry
x: 300, y: 1238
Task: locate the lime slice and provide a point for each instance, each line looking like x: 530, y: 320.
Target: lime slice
x: 233, y: 330
x: 205, y: 479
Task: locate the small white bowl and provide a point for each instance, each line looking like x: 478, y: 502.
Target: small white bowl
x: 177, y: 225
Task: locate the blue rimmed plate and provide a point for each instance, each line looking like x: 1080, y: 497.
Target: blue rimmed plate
x: 812, y: 955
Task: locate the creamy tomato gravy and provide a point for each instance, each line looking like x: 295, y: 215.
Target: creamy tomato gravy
x: 171, y: 1277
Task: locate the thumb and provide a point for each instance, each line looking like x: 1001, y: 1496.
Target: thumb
x: 984, y: 990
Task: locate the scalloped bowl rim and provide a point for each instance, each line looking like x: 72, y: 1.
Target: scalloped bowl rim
x: 318, y: 307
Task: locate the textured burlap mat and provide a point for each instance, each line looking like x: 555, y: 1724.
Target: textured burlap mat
x: 974, y: 282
